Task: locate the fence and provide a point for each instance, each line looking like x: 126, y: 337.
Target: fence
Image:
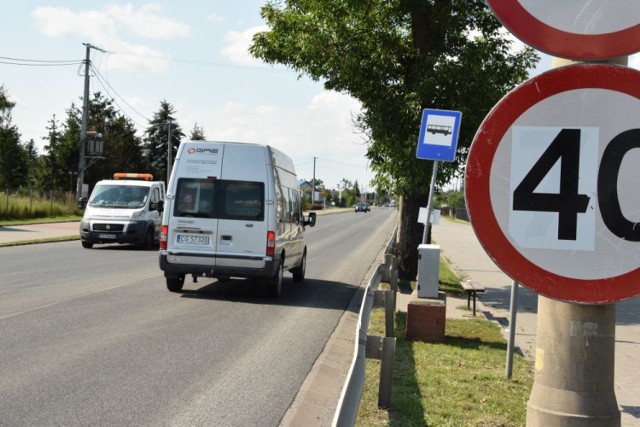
x: 459, y: 213
x: 25, y: 203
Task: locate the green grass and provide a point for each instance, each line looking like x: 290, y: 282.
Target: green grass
x: 460, y: 382
x: 28, y: 209
x: 60, y: 218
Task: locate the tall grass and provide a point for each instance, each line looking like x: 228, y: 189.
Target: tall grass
x: 16, y: 206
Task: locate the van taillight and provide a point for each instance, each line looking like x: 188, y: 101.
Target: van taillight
x: 164, y: 232
x: 271, y: 243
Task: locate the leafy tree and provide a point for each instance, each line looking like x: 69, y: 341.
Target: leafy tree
x: 122, y: 149
x: 157, y: 136
x: 318, y: 183
x: 50, y: 176
x: 31, y: 150
x: 399, y: 57
x: 197, y: 133
x: 13, y: 158
x: 453, y: 199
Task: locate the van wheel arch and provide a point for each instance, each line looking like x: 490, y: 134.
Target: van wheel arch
x: 300, y: 270
x: 274, y: 283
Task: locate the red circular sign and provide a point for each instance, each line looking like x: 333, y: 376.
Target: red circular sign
x: 582, y: 29
x: 551, y: 183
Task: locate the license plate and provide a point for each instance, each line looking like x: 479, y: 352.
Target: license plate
x: 193, y: 239
x: 106, y: 236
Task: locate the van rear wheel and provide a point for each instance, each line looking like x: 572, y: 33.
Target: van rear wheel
x: 300, y: 270
x: 274, y: 285
x: 175, y: 283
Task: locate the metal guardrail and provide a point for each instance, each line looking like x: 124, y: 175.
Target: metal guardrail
x: 382, y: 348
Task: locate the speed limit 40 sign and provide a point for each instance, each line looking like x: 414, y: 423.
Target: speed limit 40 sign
x: 577, y: 29
x: 553, y: 183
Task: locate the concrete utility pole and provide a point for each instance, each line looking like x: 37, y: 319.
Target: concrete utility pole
x: 313, y: 191
x: 575, y: 359
x: 82, y: 164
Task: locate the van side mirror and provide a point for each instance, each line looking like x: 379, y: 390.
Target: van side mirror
x: 311, y: 219
x: 158, y: 206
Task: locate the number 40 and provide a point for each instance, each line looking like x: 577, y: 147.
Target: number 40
x: 568, y: 203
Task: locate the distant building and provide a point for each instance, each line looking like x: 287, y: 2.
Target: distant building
x: 305, y: 186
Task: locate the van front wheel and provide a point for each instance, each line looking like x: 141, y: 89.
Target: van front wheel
x: 174, y: 284
x: 148, y: 243
x: 274, y: 285
x: 299, y: 271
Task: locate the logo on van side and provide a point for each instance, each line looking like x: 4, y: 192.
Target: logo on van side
x: 202, y: 150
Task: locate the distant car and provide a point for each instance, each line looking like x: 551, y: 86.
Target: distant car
x: 362, y: 207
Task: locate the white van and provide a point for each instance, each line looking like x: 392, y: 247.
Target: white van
x: 125, y: 209
x: 233, y: 210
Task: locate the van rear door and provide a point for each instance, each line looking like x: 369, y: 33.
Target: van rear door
x: 244, y: 210
x: 193, y: 223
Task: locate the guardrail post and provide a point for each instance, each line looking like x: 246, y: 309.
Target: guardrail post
x: 389, y: 313
x: 383, y: 349
x: 386, y: 372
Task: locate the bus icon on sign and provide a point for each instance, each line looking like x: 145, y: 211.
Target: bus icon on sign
x: 445, y: 130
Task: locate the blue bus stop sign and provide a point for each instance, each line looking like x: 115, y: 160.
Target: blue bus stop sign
x: 438, y: 135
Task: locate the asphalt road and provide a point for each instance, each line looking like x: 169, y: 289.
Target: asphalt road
x: 92, y: 337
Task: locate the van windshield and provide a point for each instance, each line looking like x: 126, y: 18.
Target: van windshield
x: 220, y: 199
x: 119, y: 196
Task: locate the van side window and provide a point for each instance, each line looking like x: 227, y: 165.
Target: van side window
x: 297, y: 208
x: 279, y: 204
x: 288, y: 204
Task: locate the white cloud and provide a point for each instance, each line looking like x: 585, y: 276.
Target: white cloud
x: 58, y: 22
x: 107, y: 29
x: 136, y: 58
x: 214, y: 18
x: 323, y: 129
x: 237, y: 50
x: 148, y: 22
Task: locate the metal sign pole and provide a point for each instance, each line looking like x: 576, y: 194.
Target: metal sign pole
x: 513, y: 311
x: 434, y: 175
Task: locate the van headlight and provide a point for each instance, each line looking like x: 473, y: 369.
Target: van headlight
x: 137, y: 215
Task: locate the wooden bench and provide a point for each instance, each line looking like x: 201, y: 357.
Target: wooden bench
x: 471, y: 289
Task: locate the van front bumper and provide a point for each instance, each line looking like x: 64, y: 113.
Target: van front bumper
x: 172, y: 270
x: 113, y: 232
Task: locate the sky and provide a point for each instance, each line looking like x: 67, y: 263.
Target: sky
x: 191, y: 54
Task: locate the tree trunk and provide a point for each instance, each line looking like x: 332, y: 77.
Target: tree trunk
x: 410, y: 233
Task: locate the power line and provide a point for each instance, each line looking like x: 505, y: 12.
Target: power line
x: 102, y: 80
x: 21, y: 61
x: 40, y: 64
x: 340, y: 163
x: 207, y: 63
